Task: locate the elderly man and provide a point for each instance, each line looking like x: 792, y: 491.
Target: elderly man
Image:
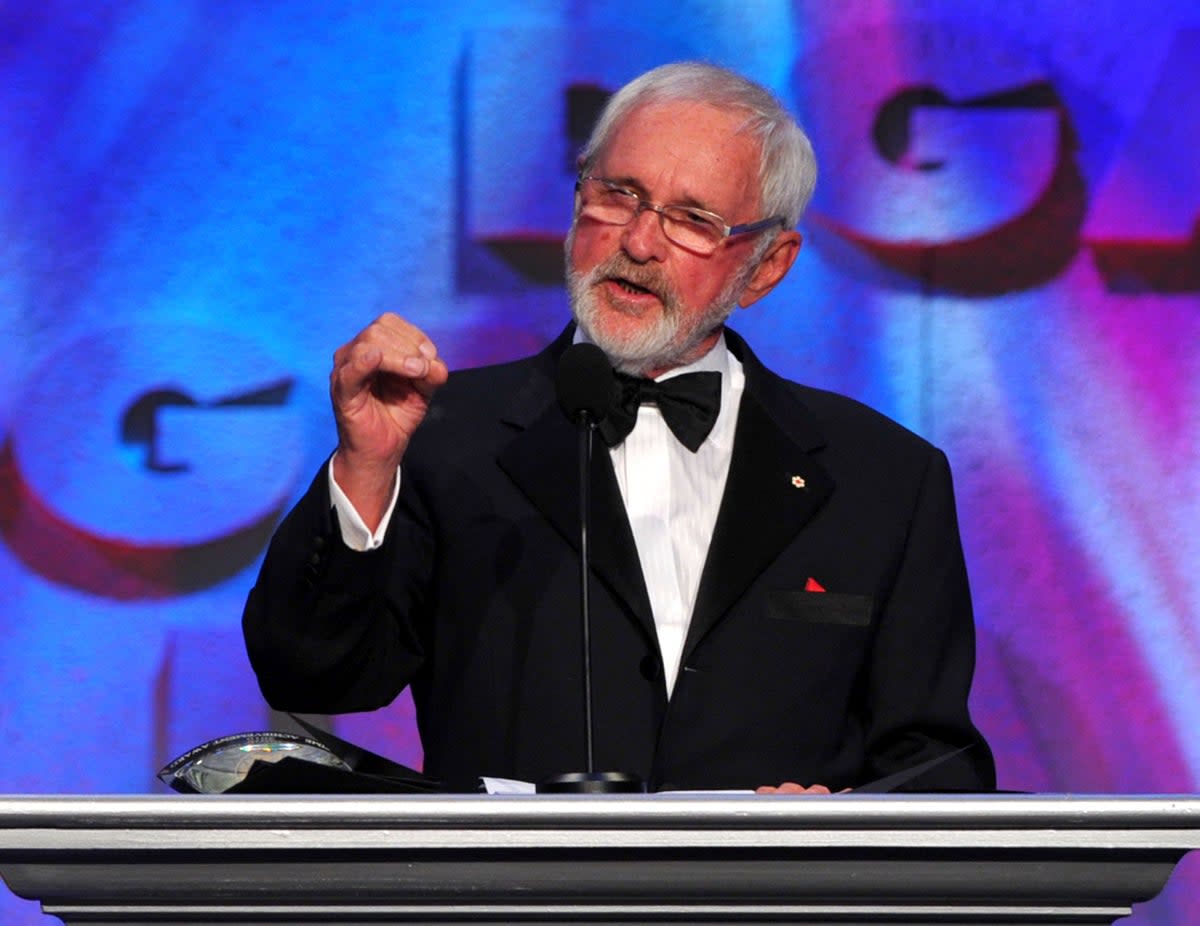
x: 780, y: 600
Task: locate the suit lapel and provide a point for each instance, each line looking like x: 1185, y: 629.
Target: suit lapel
x: 542, y: 459
x: 774, y: 487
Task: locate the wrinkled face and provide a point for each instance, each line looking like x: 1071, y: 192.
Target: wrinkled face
x: 648, y: 303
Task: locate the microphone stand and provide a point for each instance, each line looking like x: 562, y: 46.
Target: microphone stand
x: 591, y: 781
x: 587, y: 432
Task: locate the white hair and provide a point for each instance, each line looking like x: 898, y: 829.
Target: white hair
x: 788, y: 166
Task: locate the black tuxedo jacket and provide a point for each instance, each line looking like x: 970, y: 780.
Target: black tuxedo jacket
x: 473, y: 600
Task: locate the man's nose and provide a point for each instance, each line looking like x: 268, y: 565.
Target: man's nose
x: 644, y: 239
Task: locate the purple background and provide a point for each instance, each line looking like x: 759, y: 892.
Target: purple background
x: 199, y: 201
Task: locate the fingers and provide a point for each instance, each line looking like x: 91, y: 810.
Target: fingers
x: 389, y: 346
x: 381, y: 384
x: 790, y: 787
x: 425, y: 363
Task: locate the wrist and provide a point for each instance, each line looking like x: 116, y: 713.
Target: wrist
x: 367, y: 484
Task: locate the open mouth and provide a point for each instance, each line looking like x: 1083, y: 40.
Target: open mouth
x: 633, y: 289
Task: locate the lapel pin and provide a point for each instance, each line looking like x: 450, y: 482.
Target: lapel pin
x: 798, y: 482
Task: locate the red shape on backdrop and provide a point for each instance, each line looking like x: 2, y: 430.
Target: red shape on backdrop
x: 61, y: 552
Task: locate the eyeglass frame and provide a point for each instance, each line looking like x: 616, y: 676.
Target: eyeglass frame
x: 727, y: 231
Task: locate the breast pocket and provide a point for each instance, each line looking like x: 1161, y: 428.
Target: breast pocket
x: 819, y: 607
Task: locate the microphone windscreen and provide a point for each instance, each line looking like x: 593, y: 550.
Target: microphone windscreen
x: 585, y: 383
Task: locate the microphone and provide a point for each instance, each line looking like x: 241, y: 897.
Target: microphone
x: 587, y: 392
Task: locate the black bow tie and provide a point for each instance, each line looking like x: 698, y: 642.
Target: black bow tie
x: 689, y: 405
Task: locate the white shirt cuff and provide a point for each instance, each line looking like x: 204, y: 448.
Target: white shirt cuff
x: 355, y: 533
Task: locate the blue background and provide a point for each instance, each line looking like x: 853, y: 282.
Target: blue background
x: 199, y: 201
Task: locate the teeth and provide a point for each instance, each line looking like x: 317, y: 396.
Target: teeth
x: 631, y: 287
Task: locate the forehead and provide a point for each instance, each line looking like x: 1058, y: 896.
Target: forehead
x: 686, y: 152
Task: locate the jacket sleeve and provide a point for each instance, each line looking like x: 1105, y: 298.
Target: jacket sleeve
x: 923, y: 657
x: 329, y: 629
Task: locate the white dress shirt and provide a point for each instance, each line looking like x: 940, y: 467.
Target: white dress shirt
x: 671, y: 497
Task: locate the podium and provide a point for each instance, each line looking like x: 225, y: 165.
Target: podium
x: 848, y: 860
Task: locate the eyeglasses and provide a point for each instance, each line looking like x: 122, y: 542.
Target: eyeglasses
x: 697, y: 230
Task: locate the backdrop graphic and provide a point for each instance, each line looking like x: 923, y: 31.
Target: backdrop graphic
x: 200, y: 200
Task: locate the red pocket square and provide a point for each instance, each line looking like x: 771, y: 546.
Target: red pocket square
x: 812, y: 585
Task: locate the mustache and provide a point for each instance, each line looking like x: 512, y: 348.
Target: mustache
x: 646, y: 276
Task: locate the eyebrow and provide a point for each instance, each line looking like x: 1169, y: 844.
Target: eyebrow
x: 633, y: 183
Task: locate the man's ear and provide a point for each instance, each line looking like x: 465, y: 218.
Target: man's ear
x: 772, y: 268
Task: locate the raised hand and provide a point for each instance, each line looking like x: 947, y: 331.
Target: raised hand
x: 380, y: 386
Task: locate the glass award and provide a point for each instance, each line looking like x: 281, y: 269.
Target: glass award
x: 216, y: 766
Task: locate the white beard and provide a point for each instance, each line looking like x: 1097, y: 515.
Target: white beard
x: 667, y: 340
